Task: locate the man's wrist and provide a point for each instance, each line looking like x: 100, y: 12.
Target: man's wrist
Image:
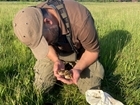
x: 57, y: 60
x: 77, y: 70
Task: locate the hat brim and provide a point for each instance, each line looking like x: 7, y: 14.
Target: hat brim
x: 41, y: 50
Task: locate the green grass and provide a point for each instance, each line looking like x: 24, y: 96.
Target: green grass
x: 118, y: 28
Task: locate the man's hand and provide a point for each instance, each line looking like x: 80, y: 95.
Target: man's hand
x: 73, y: 80
x: 58, y: 65
x: 76, y: 75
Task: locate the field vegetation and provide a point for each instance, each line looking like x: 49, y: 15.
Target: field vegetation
x: 118, y: 26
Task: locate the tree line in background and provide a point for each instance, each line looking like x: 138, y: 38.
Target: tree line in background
x: 83, y: 0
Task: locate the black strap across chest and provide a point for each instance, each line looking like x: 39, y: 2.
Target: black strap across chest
x: 59, y: 5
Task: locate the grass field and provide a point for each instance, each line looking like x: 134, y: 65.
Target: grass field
x: 118, y: 25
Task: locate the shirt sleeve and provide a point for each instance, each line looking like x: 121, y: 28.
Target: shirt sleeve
x: 88, y: 35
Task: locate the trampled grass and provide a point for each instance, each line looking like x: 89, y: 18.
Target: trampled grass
x: 118, y: 29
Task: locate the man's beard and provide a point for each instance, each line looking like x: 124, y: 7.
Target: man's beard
x: 54, y: 32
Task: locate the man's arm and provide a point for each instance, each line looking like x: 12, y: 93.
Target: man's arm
x: 86, y: 60
x: 58, y: 64
x: 52, y: 55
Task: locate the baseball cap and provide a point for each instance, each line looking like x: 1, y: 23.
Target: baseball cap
x: 28, y: 27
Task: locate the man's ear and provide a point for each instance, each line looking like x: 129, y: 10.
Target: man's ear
x: 48, y: 21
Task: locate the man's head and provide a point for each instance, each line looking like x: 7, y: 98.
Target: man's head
x: 34, y: 29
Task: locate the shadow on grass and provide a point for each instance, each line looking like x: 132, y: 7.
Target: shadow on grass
x: 53, y: 95
x: 8, y: 72
x: 112, y: 45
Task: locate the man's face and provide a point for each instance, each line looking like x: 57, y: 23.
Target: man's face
x: 51, y: 33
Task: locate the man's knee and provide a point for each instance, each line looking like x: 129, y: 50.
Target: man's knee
x: 44, y: 77
x: 91, y: 77
x: 89, y: 83
x: 97, y: 69
x: 44, y: 84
